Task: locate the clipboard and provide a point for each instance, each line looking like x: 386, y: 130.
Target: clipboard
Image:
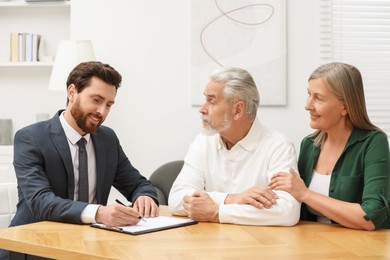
x: 151, y: 225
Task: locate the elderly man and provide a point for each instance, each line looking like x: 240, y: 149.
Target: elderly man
x: 228, y: 167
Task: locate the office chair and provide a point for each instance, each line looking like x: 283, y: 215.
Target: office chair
x: 163, y: 177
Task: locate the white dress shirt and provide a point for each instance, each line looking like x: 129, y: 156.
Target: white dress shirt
x: 88, y: 214
x: 210, y: 167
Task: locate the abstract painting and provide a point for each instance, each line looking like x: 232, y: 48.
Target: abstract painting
x: 250, y: 34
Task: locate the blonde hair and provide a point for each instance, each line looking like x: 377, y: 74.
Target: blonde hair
x: 346, y: 83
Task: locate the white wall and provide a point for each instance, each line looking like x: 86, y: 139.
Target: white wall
x: 24, y: 98
x: 148, y: 42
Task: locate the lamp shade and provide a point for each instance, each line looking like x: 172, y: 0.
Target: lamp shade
x: 69, y: 54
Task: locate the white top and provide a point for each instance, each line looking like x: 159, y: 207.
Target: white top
x: 210, y: 167
x: 320, y: 183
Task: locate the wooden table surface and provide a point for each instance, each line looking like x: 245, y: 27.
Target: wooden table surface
x: 307, y: 240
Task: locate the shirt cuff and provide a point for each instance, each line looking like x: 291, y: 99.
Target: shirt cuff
x: 218, y: 197
x: 89, y: 213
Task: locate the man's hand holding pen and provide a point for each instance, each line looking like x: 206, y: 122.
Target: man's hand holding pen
x: 139, y: 216
x: 119, y: 214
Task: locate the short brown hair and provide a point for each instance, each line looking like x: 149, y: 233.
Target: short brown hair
x: 82, y: 74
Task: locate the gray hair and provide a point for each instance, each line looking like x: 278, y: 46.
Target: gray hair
x: 239, y: 85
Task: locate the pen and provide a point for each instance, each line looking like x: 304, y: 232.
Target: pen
x: 120, y: 202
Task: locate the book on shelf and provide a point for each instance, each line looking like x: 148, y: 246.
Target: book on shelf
x: 22, y: 47
x: 25, y: 47
x: 36, y: 38
x: 28, y: 47
x: 14, y: 47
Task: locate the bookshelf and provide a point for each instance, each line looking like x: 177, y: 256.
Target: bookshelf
x: 38, y: 64
x: 6, y: 167
x: 49, y: 19
x: 24, y: 85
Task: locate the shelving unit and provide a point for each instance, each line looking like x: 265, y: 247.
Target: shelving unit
x: 25, y: 64
x: 34, y: 4
x: 49, y: 19
x: 6, y: 167
x: 24, y: 85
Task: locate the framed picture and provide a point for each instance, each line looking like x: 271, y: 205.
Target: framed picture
x: 240, y: 33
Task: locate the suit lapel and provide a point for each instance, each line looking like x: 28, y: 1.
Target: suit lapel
x: 100, y: 164
x: 60, y: 142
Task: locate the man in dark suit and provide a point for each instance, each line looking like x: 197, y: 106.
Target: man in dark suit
x: 46, y: 159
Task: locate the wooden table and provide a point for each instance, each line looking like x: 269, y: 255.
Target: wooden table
x: 307, y: 240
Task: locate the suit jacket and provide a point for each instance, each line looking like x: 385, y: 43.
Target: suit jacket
x: 44, y: 171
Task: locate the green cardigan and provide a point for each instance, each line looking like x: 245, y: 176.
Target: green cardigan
x: 361, y: 174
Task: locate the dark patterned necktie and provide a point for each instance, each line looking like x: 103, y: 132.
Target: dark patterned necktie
x: 83, y: 171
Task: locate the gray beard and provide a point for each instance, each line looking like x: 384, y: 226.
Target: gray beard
x: 209, y: 130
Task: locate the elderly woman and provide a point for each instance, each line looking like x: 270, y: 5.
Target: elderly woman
x: 345, y: 163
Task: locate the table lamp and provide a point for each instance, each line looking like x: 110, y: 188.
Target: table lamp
x: 69, y: 54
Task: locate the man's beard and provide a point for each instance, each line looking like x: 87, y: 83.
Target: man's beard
x: 210, y: 130
x: 81, y: 118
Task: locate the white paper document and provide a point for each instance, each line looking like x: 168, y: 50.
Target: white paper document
x: 150, y: 225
